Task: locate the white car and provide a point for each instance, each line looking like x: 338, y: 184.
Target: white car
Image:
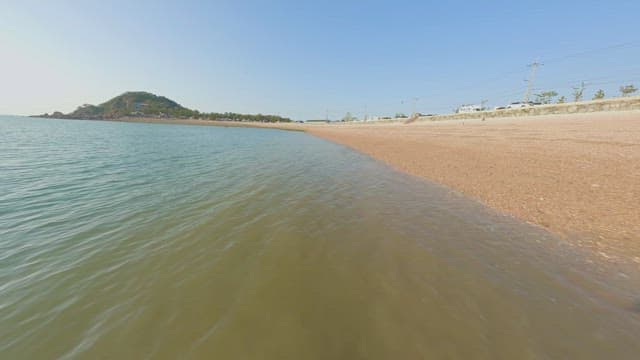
x: 518, y: 105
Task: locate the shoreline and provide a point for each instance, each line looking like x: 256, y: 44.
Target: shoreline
x: 328, y: 225
x: 575, y: 175
x: 195, y: 122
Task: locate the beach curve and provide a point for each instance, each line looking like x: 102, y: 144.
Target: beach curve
x: 576, y: 175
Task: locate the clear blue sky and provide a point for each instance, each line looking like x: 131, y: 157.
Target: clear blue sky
x: 301, y: 58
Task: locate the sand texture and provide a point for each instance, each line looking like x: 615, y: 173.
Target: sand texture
x: 576, y: 175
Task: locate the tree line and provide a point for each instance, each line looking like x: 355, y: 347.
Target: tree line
x: 229, y: 116
x: 548, y: 97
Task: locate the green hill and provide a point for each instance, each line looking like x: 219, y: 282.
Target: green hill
x: 131, y: 104
x: 144, y: 104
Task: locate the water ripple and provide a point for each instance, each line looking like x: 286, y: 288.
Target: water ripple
x: 141, y: 241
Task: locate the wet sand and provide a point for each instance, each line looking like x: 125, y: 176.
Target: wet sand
x: 575, y: 175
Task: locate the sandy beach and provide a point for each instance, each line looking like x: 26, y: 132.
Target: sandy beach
x: 575, y: 175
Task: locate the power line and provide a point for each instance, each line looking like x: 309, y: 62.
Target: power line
x: 553, y: 59
x: 596, y: 81
x: 532, y: 76
x: 586, y: 52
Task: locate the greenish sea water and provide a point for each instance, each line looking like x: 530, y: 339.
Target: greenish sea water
x: 134, y: 241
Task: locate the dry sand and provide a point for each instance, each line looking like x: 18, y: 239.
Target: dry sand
x: 576, y: 175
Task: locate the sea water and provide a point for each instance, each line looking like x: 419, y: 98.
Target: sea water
x: 133, y: 241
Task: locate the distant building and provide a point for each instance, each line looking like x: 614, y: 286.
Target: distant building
x: 468, y: 109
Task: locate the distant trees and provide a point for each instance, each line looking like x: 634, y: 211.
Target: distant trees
x: 598, y: 95
x: 228, y: 116
x: 578, y: 92
x: 546, y: 97
x: 562, y: 100
x: 349, y: 117
x: 400, y: 115
x: 627, y: 90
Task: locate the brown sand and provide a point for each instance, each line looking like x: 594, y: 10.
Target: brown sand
x: 576, y: 175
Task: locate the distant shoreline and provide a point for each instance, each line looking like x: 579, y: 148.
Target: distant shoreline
x: 198, y: 122
x: 243, y: 124
x: 573, y: 174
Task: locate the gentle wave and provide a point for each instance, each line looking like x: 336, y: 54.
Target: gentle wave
x: 139, y: 241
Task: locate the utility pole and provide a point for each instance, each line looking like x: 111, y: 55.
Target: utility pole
x: 534, y: 68
x: 415, y: 102
x: 326, y: 115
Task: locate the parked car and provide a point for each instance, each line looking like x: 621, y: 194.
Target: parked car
x: 499, y: 108
x: 518, y: 105
x: 468, y: 109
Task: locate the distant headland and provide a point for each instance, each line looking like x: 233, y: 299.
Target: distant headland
x: 140, y: 104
